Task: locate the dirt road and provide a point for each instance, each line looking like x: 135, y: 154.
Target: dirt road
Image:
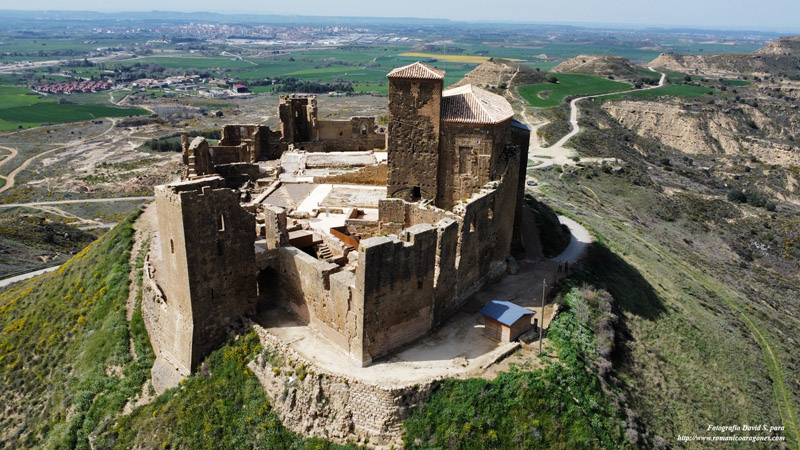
x: 559, y: 153
x: 11, y: 176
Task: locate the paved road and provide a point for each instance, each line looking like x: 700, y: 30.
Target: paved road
x: 578, y: 242
x: 25, y: 276
x: 86, y: 200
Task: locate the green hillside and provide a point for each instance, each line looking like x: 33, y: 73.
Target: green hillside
x: 67, y: 371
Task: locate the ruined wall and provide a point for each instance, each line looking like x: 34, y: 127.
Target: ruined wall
x: 254, y: 138
x: 197, y: 157
x: 374, y: 175
x: 298, y: 114
x: 413, y: 138
x: 521, y: 138
x: 467, y: 158
x: 356, y: 134
x: 319, y: 293
x: 327, y: 405
x: 395, y: 282
x: 207, y: 245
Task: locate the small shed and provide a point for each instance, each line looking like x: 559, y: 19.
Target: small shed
x: 505, y: 321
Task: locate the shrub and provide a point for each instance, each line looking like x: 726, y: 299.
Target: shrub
x: 737, y: 196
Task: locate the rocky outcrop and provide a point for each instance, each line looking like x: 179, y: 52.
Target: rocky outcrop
x: 709, y: 129
x: 314, y: 402
x: 599, y: 65
x: 789, y: 45
x: 668, y: 123
x: 727, y: 64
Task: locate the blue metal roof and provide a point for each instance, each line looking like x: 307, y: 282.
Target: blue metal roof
x: 504, y: 312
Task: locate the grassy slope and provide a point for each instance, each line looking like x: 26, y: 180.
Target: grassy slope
x: 223, y: 406
x: 66, y: 370
x: 564, y: 405
x: 700, y: 350
x: 60, y: 333
x: 569, y: 84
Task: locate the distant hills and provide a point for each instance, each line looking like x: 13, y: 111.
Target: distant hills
x: 599, y: 65
x: 779, y: 57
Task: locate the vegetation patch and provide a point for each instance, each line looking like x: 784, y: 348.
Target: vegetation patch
x: 561, y: 406
x: 65, y: 365
x: 568, y: 85
x: 221, y: 406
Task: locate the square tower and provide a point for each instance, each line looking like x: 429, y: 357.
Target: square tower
x: 415, y: 98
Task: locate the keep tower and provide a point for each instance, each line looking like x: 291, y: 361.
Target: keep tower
x: 415, y: 98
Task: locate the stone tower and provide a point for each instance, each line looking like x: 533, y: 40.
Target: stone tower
x: 298, y: 114
x: 209, y: 260
x: 415, y: 97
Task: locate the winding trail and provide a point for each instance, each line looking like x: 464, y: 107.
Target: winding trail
x: 558, y: 153
x: 579, y: 241
x: 12, y: 175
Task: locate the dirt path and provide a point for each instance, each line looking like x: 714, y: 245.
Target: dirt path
x: 11, y: 176
x: 559, y: 153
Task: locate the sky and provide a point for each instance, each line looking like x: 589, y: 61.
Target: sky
x: 738, y: 14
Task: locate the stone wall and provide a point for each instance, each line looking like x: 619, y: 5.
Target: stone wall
x: 356, y: 134
x: 320, y: 294
x: 467, y: 159
x: 395, y: 282
x: 374, y: 175
x: 332, y: 406
x: 413, y: 138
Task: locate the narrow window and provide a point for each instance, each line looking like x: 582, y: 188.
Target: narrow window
x: 491, y: 208
x: 171, y: 246
x: 220, y: 249
x: 363, y: 131
x: 221, y: 222
x: 472, y: 224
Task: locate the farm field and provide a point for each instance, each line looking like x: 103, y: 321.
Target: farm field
x: 454, y: 58
x: 670, y: 90
x: 545, y: 95
x: 20, y: 109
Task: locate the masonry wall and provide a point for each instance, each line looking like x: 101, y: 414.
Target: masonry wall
x: 395, y: 280
x: 356, y: 134
x: 468, y: 156
x: 207, y: 242
x: 331, y: 406
x: 413, y: 138
x: 320, y: 294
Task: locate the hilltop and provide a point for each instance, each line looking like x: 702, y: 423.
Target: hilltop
x: 789, y: 45
x: 599, y: 65
x: 498, y: 72
x: 779, y: 57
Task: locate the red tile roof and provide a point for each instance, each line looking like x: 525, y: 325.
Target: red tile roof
x: 471, y: 104
x: 417, y: 70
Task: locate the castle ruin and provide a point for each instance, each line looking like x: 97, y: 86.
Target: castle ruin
x: 372, y: 239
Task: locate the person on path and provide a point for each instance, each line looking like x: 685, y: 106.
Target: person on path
x: 559, y: 267
x: 566, y: 266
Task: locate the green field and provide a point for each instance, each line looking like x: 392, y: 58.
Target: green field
x: 670, y: 90
x: 20, y: 109
x: 545, y: 95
